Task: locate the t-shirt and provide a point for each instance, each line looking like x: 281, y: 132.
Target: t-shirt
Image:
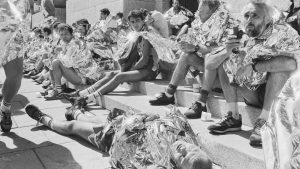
x: 160, y: 23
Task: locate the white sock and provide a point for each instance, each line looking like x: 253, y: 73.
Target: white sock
x: 47, y: 121
x: 5, y: 107
x: 90, y: 98
x: 58, y: 88
x: 168, y: 95
x: 77, y: 113
x: 233, y: 107
x: 87, y: 91
x: 264, y: 114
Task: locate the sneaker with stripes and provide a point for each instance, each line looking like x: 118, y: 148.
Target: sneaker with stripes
x: 228, y: 124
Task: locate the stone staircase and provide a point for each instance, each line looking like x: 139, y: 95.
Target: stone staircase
x: 231, y: 151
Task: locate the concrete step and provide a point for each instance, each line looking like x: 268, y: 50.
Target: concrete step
x: 185, y: 97
x: 231, y: 151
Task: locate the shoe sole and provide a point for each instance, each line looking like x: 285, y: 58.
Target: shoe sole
x: 161, y: 104
x: 256, y: 144
x: 226, y: 131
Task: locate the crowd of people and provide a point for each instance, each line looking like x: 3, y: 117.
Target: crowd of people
x: 256, y: 56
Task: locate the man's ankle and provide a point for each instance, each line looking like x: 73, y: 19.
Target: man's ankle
x: 170, y: 90
x: 169, y: 95
x: 202, y: 103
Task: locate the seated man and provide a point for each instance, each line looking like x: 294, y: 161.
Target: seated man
x: 258, y: 67
x: 178, y: 17
x: 74, y: 63
x: 136, y: 63
x: 134, y: 140
x: 206, y: 36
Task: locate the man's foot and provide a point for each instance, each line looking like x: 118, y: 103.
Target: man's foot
x: 35, y: 113
x: 70, y: 113
x: 55, y: 95
x: 161, y: 100
x: 6, y: 122
x: 46, y: 84
x: 195, y: 111
x: 228, y: 124
x: 68, y: 96
x: 255, y: 138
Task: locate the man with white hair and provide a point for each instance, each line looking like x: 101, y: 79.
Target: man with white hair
x: 258, y: 67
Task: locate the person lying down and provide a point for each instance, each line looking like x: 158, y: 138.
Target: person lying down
x: 134, y: 140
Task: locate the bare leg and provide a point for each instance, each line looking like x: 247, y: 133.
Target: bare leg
x: 274, y: 86
x: 185, y: 61
x: 230, y: 92
x: 13, y: 71
x: 60, y: 71
x: 91, y: 119
x: 78, y: 128
x: 130, y: 76
x: 97, y: 85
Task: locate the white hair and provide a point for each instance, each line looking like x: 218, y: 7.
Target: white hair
x: 271, y: 13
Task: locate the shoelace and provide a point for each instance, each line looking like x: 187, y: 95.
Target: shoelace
x: 226, y: 118
x: 194, y: 106
x: 259, y: 124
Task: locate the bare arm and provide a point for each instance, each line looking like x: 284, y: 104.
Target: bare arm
x: 214, y: 61
x: 277, y: 64
x: 183, y: 30
x: 145, y: 57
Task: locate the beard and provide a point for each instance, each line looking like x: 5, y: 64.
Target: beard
x: 252, y: 30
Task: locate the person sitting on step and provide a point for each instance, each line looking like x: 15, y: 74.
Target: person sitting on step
x: 206, y: 39
x: 178, y: 17
x: 258, y: 66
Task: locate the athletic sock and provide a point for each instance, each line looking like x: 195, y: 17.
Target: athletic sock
x: 170, y: 90
x: 203, y: 97
x: 58, y: 88
x: 87, y: 91
x: 5, y: 106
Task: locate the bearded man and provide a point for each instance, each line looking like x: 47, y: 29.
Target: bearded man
x: 258, y: 66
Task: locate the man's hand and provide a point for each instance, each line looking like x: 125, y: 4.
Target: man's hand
x: 187, y: 47
x: 245, y: 71
x: 232, y: 44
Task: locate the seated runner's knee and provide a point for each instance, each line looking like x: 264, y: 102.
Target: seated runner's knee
x: 56, y: 63
x: 277, y: 78
x: 120, y: 77
x: 184, y: 57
